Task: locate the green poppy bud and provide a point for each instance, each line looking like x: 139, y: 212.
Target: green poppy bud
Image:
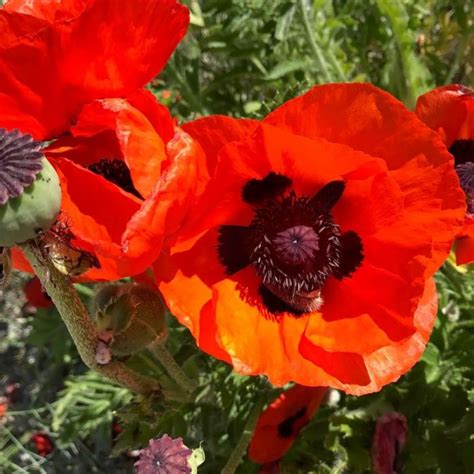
x: 30, y: 194
x: 131, y: 316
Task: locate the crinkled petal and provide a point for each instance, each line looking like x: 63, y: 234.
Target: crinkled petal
x: 449, y: 110
x: 98, y: 212
x: 52, y: 65
x: 141, y: 147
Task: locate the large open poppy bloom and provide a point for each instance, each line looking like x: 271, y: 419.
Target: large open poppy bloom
x: 309, y: 255
x: 72, y: 73
x: 450, y: 111
x: 279, y: 425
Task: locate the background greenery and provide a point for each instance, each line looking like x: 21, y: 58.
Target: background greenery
x: 242, y: 58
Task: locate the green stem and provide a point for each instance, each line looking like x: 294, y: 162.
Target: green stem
x: 312, y: 42
x: 172, y: 367
x: 241, y: 448
x: 79, y: 323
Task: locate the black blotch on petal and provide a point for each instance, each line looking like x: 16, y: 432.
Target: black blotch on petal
x: 257, y: 191
x: 232, y: 248
x: 286, y: 427
x: 328, y: 195
x: 274, y: 304
x: 351, y: 254
x: 463, y: 151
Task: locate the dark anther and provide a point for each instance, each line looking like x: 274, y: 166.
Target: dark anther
x: 327, y: 197
x: 20, y: 162
x: 351, y: 255
x: 274, y: 304
x: 257, y: 191
x: 232, y: 247
x: 286, y: 429
x: 117, y: 172
x: 463, y: 151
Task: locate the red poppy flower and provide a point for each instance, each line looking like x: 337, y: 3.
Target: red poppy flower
x: 43, y: 444
x: 450, y: 111
x: 3, y: 406
x: 308, y: 257
x: 127, y: 172
x: 279, y: 425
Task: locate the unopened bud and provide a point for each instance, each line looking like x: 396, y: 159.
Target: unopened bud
x: 131, y: 316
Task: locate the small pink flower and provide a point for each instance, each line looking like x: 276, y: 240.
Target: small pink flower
x: 389, y: 438
x: 164, y: 455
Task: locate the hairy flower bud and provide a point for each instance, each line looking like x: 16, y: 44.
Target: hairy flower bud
x: 131, y: 316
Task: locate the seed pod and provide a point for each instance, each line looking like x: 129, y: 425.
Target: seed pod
x: 34, y: 210
x: 131, y: 315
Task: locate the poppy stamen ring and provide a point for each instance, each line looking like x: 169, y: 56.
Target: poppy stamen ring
x: 293, y: 244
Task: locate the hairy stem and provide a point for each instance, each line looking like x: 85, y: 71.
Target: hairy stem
x: 241, y: 447
x: 79, y: 323
x: 172, y: 367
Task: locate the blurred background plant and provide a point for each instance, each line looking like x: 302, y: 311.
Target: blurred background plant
x: 243, y: 58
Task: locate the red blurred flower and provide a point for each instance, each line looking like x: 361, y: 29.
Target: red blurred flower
x: 3, y: 406
x: 43, y: 444
x: 72, y: 72
x: 389, y: 438
x: 36, y: 297
x: 279, y: 425
x: 308, y: 257
x: 449, y: 110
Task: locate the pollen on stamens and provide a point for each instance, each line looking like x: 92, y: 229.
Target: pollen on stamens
x: 20, y: 162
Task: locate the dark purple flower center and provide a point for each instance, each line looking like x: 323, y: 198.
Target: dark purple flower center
x: 463, y: 152
x: 292, y: 243
x: 20, y: 162
x: 117, y: 172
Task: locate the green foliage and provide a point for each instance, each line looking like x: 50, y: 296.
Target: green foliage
x: 243, y: 58
x: 85, y: 404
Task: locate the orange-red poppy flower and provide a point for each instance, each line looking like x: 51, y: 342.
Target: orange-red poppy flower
x: 450, y: 111
x: 308, y: 257
x: 279, y: 425
x: 72, y: 73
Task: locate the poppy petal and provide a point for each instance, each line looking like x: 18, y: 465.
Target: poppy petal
x: 96, y: 224
x: 142, y: 148
x: 465, y: 243
x: 449, y: 110
x: 50, y: 67
x: 280, y: 423
x: 370, y: 120
x: 215, y: 131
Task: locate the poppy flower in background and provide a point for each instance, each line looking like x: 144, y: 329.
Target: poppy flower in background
x: 449, y: 110
x: 72, y: 73
x: 36, y: 297
x: 389, y: 438
x: 43, y: 444
x: 309, y: 256
x: 279, y: 425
